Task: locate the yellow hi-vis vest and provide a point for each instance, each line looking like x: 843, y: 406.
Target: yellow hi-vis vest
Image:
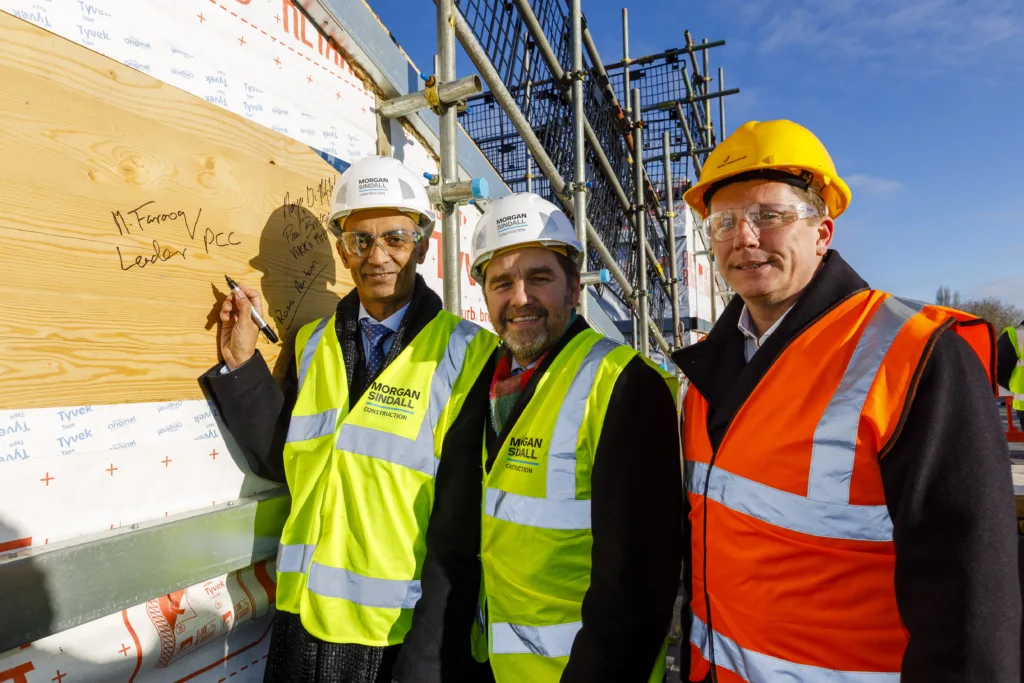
x: 362, y: 481
x: 1016, y: 335
x: 536, y: 531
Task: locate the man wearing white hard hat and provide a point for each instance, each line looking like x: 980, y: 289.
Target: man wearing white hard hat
x: 378, y: 392
x: 580, y: 533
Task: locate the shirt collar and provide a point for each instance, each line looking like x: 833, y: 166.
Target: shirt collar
x: 516, y: 366
x: 391, y: 322
x: 746, y: 326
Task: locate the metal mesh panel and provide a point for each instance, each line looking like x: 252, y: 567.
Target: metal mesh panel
x: 503, y: 35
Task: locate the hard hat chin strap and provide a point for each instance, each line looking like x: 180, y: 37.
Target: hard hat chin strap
x: 802, y: 181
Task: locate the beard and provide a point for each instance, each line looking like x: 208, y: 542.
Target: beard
x: 530, y: 344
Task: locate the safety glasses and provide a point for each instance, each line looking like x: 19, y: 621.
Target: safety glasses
x: 721, y: 225
x: 393, y: 242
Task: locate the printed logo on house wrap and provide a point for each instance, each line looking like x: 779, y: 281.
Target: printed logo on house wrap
x: 122, y: 422
x: 369, y: 187
x: 396, y: 402
x: 169, y: 429
x: 12, y: 428
x: 522, y: 453
x: 510, y: 225
x: 37, y: 17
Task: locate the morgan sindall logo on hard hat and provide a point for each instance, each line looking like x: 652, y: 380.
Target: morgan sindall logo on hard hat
x: 381, y: 182
x: 510, y: 225
x: 522, y: 219
x: 371, y: 187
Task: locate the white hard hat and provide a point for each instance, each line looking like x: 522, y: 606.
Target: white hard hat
x: 381, y: 182
x: 521, y: 219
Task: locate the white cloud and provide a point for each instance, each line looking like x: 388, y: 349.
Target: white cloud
x: 872, y: 186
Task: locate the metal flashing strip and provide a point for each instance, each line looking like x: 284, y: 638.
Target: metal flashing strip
x: 52, y: 588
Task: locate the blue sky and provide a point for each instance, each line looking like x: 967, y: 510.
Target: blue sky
x: 919, y: 103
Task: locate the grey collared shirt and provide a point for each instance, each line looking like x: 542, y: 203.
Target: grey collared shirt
x: 751, y: 342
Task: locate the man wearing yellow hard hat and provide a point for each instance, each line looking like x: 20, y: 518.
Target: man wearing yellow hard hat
x: 580, y: 536
x: 850, y: 505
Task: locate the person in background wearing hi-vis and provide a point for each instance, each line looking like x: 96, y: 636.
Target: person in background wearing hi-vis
x: 360, y: 469
x: 851, y: 511
x: 580, y: 539
x: 1010, y: 364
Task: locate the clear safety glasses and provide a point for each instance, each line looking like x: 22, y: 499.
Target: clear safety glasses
x: 721, y: 225
x: 393, y: 242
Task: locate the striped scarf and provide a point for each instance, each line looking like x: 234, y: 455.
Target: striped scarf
x: 506, y: 388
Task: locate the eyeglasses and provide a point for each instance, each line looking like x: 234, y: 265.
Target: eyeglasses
x: 392, y: 242
x: 721, y: 225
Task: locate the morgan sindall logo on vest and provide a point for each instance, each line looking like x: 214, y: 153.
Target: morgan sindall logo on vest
x: 390, y: 401
x: 522, y: 454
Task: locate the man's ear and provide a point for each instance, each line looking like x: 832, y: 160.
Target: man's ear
x: 826, y: 229
x: 575, y: 285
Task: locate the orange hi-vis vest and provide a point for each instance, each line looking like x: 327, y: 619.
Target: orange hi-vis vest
x: 792, y: 547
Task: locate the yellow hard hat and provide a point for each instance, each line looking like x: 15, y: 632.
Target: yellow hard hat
x: 775, y: 150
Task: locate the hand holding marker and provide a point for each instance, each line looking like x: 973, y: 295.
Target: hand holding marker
x: 257, y: 318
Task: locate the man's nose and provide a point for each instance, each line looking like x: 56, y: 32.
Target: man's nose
x: 746, y: 235
x: 378, y: 255
x: 520, y: 295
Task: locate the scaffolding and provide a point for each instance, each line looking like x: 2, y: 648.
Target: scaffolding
x: 527, y: 120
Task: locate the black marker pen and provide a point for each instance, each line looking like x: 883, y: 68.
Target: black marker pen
x: 257, y: 318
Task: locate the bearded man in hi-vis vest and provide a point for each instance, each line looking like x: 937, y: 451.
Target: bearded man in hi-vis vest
x: 578, y: 521
x: 850, y: 505
x: 377, y: 394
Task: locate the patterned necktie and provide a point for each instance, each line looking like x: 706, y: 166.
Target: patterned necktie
x: 376, y: 334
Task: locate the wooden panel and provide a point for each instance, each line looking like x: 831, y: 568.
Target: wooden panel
x: 123, y: 203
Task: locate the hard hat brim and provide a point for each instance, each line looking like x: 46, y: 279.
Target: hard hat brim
x: 835, y: 192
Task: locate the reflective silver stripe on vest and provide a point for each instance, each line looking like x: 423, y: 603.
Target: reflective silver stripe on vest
x: 757, y: 668
x: 788, y: 510
x: 305, y: 427
x: 333, y: 582
x: 538, y: 512
x: 294, y: 558
x: 835, y: 438
x: 448, y: 369
x: 561, y: 482
x: 559, y: 509
x: 309, y: 350
x: 416, y: 455
x: 546, y: 641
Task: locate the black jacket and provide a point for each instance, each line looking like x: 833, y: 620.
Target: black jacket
x: 1006, y: 359
x: 636, y: 516
x: 256, y: 410
x: 947, y: 486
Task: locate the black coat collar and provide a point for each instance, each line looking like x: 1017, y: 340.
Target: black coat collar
x: 716, y: 366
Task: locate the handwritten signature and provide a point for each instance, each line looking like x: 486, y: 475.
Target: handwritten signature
x: 159, y: 256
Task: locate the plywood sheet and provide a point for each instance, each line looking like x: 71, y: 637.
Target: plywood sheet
x: 123, y: 203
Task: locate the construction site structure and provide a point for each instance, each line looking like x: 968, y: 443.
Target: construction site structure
x: 631, y: 136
